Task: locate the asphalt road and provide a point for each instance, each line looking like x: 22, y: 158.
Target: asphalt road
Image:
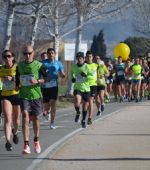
x: 50, y: 139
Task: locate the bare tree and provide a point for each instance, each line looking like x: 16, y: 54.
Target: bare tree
x: 88, y: 10
x: 58, y: 14
x: 11, y: 6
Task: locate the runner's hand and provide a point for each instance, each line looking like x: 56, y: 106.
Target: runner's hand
x: 83, y: 74
x: 34, y: 81
x: 73, y: 80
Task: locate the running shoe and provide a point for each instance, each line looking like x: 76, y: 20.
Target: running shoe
x: 129, y: 99
x: 89, y: 121
x: 83, y: 123
x: 52, y: 126
x: 37, y: 147
x: 15, y: 137
x: 107, y: 100
x: 121, y: 99
x: 8, y: 146
x: 136, y: 100
x: 141, y: 98
x: 77, y: 118
x: 99, y: 113
x: 47, y: 116
x: 26, y: 149
x: 102, y: 107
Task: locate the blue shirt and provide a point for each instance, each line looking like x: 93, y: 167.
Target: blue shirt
x: 53, y: 68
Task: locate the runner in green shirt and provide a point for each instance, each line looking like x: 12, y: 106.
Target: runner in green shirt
x: 28, y: 79
x: 92, y: 82
x: 80, y: 75
x: 136, y: 71
x: 101, y: 80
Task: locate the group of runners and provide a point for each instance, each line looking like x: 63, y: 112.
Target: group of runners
x: 26, y: 87
x: 95, y: 79
x: 30, y: 89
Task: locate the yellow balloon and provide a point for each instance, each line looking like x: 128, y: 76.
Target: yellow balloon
x: 122, y: 50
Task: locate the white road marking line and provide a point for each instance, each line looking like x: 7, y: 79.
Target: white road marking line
x: 62, y: 141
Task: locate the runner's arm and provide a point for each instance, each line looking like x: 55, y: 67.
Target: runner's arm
x: 43, y: 72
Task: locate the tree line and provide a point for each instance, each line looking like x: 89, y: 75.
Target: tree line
x: 34, y: 20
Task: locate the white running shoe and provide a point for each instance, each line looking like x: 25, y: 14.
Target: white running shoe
x: 52, y: 126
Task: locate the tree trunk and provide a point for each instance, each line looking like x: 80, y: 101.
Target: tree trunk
x: 56, y: 32
x: 79, y: 33
x: 35, y: 26
x: 77, y: 48
x: 8, y: 29
x: 56, y: 46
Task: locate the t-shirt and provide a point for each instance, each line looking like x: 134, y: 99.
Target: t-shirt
x: 8, y: 87
x: 26, y: 72
x: 81, y: 83
x: 93, y: 72
x: 136, y: 71
x: 145, y: 69
x: 102, y: 70
x: 119, y: 68
x: 53, y: 69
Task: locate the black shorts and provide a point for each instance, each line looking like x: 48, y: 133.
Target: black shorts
x: 128, y: 82
x: 33, y: 107
x: 99, y: 88
x: 93, y: 91
x: 136, y: 82
x: 14, y: 99
x: 148, y: 80
x: 145, y: 80
x: 119, y: 80
x: 49, y: 94
x: 85, y: 95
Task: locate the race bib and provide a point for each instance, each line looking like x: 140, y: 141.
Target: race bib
x: 51, y: 83
x: 26, y: 80
x: 79, y: 78
x: 120, y: 73
x: 94, y: 73
x: 8, y: 85
x: 101, y: 80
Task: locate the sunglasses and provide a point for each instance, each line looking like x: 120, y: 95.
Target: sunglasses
x: 27, y: 53
x: 7, y: 56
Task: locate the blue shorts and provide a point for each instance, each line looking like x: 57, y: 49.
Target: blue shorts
x: 136, y: 81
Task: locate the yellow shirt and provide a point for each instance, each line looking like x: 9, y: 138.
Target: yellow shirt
x: 8, y: 87
x: 102, y: 71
